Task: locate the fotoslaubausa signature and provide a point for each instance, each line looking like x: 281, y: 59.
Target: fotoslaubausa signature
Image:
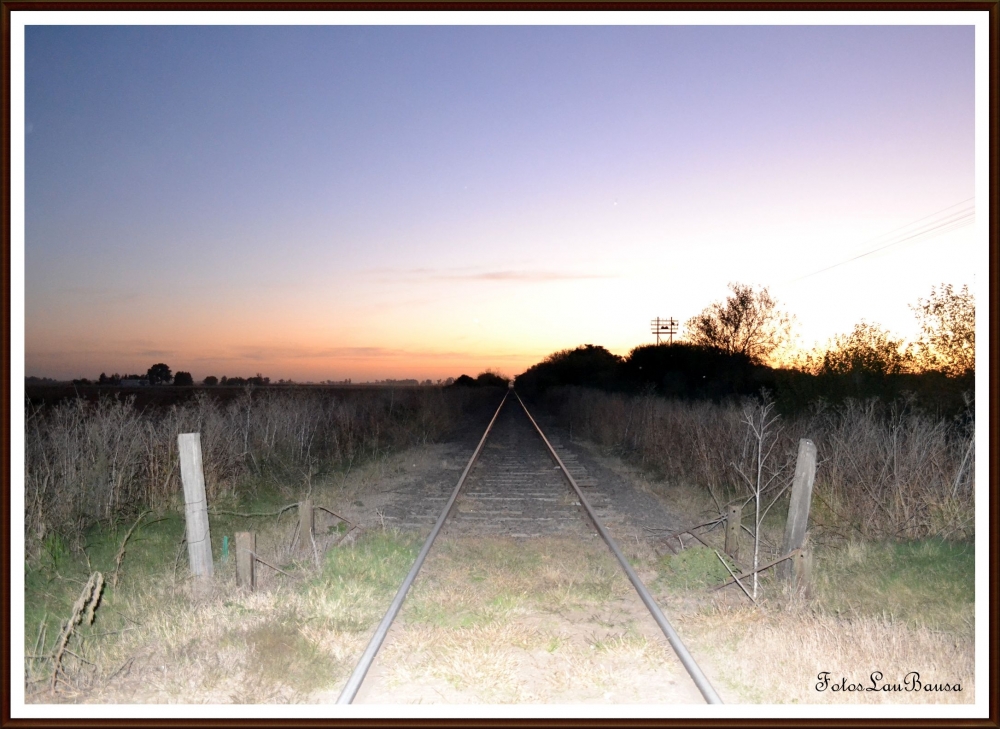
x: 911, y: 682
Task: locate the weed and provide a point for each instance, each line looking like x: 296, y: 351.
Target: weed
x: 627, y: 640
x: 281, y: 654
x: 695, y: 567
x: 56, y: 551
x: 927, y: 583
x: 108, y: 461
x: 884, y: 471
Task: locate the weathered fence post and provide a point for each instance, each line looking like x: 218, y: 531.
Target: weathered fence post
x: 798, y: 508
x: 802, y: 565
x: 246, y: 560
x: 306, y: 524
x: 195, y: 505
x: 733, y: 519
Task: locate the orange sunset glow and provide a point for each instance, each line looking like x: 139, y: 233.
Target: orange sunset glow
x: 367, y: 202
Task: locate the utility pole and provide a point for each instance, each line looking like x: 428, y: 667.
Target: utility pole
x: 664, y: 327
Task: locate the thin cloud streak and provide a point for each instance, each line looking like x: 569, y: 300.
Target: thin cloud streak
x: 354, y: 353
x: 527, y: 276
x: 530, y: 276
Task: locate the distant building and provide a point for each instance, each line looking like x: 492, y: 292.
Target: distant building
x: 133, y: 382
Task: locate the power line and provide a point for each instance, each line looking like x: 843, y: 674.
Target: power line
x: 939, y: 226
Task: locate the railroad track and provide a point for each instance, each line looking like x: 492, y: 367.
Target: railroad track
x: 517, y: 485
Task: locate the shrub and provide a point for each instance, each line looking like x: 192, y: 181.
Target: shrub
x: 107, y: 461
x: 885, y: 471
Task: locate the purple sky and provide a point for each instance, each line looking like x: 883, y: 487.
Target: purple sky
x: 370, y: 202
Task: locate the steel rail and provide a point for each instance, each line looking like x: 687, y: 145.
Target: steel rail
x: 700, y: 680
x: 354, y: 682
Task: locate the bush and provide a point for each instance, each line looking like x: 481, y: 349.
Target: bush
x: 586, y: 366
x: 107, y: 461
x: 485, y: 379
x: 885, y: 471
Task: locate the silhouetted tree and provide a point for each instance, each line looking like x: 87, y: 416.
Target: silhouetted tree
x: 748, y: 322
x: 948, y: 322
x: 159, y: 373
x: 183, y: 378
x: 210, y: 380
x: 491, y: 379
x: 586, y: 366
x: 687, y: 371
x: 868, y: 350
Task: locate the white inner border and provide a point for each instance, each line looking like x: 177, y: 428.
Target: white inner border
x: 20, y: 19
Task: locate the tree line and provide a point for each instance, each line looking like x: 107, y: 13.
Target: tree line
x: 160, y: 374
x: 743, y: 343
x: 750, y: 322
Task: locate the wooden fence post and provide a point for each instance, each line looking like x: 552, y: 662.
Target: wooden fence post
x: 733, y: 519
x: 802, y: 565
x: 199, y: 539
x: 798, y: 507
x: 246, y: 560
x: 306, y: 524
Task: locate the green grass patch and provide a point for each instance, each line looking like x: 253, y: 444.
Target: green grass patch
x: 927, y: 582
x: 695, y: 567
x: 53, y: 583
x: 378, y: 559
x: 358, y: 583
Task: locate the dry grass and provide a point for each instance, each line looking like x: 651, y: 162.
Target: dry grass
x: 159, y: 638
x: 503, y: 621
x: 883, y: 471
x: 280, y: 644
x: 775, y: 656
x: 549, y: 620
x: 871, y: 607
x: 107, y: 462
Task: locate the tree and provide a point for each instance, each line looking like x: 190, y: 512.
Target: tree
x: 210, y: 380
x: 684, y: 370
x: 489, y: 378
x: 159, y: 373
x: 748, y: 322
x: 868, y: 350
x: 948, y: 323
x: 183, y: 378
x: 586, y: 366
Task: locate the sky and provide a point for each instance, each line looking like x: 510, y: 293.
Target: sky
x: 371, y: 202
